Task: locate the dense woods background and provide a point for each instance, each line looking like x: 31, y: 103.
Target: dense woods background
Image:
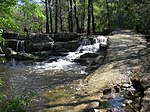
x: 88, y: 16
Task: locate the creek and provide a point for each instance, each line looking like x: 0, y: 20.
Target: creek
x: 56, y: 78
x: 25, y: 76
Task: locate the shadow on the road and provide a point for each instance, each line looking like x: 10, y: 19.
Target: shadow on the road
x: 124, y: 49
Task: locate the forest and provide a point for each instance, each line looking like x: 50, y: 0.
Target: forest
x: 89, y: 16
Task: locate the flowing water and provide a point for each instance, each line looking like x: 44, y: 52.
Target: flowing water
x: 20, y: 47
x: 53, y: 79
x: 24, y: 76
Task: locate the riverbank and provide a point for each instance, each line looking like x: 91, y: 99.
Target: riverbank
x: 125, y: 65
x: 127, y: 58
x: 127, y: 61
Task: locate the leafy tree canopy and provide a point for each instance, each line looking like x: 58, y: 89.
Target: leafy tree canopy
x: 6, y: 14
x: 14, y: 14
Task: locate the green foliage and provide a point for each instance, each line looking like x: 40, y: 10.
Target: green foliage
x: 130, y: 14
x: 23, y: 35
x: 3, y: 60
x: 2, y: 40
x: 30, y: 15
x: 14, y: 17
x: 1, y: 85
x: 1, y: 82
x: 7, y: 21
x: 15, y: 104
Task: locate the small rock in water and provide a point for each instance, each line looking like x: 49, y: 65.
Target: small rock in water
x: 106, y: 91
x: 110, y: 110
x: 96, y: 110
x: 117, y: 89
x: 126, y: 85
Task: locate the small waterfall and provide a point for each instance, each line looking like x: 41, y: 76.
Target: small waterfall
x: 17, y: 46
x: 20, y: 46
x: 85, y: 42
x: 87, y: 45
x: 90, y: 45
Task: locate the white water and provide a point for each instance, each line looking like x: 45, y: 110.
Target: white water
x: 38, y: 76
x: 67, y: 63
x: 20, y: 47
x: 17, y: 46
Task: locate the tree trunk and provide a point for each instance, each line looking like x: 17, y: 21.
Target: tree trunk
x: 50, y: 13
x: 89, y: 18
x: 60, y: 16
x: 108, y: 15
x: 56, y: 15
x: 70, y: 17
x: 47, y: 22
x: 83, y: 16
x: 70, y: 23
x: 75, y: 13
x: 93, y: 18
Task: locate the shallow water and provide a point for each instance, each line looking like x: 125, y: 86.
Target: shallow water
x: 22, y: 76
x: 47, y: 77
x: 38, y: 76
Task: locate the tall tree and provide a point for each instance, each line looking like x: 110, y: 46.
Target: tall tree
x: 47, y: 18
x: 50, y: 15
x: 56, y: 16
x: 70, y: 19
x: 76, y: 17
x: 108, y: 15
x: 83, y: 15
x: 89, y: 18
x: 60, y: 15
x: 93, y: 18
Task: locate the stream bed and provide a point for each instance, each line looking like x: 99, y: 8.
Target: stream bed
x: 55, y: 84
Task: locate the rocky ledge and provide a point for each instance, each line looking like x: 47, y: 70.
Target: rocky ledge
x: 125, y: 72
x: 127, y: 60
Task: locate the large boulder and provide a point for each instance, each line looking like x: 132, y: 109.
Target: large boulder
x: 70, y: 45
x: 10, y: 35
x: 91, y: 60
x: 16, y: 45
x: 12, y: 43
x: 38, y: 42
x: 18, y: 55
x: 64, y: 36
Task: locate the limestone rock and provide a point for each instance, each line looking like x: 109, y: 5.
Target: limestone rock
x: 10, y: 35
x: 64, y: 36
x: 17, y: 55
x: 39, y: 42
